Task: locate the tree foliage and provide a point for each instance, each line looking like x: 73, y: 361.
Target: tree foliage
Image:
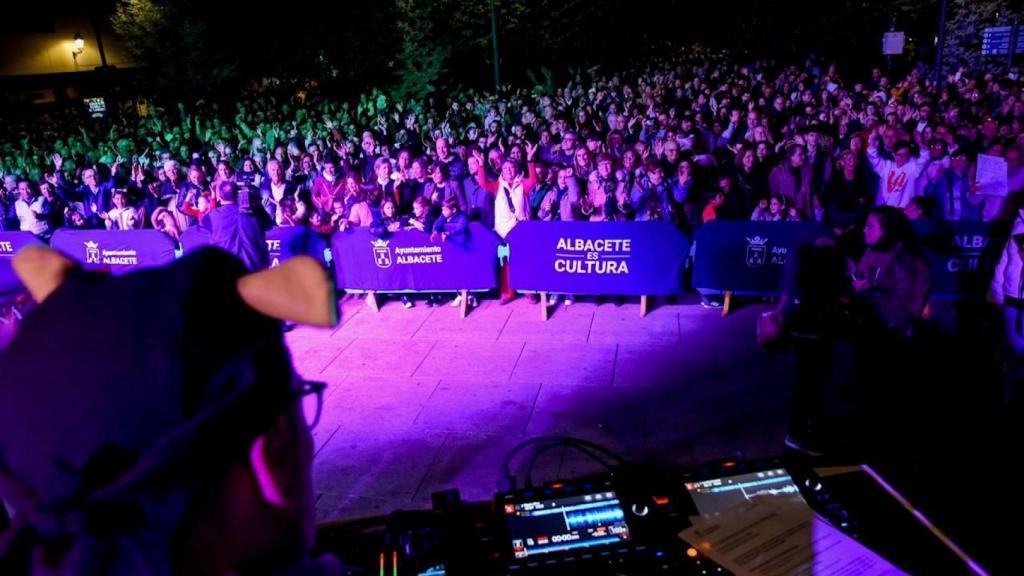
x: 175, y: 43
x: 421, y: 62
x: 420, y: 47
x: 965, y: 25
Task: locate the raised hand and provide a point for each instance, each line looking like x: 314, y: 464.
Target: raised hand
x: 531, y: 151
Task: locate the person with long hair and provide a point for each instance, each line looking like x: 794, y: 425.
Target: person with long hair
x: 359, y: 212
x: 847, y: 196
x: 328, y: 186
x: 748, y: 174
x: 892, y: 282
x: 792, y: 178
x: 583, y: 163
x: 893, y: 273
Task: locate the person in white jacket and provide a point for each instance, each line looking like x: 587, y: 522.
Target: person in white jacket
x: 510, y: 203
x: 27, y: 208
x: 121, y: 216
x: 1007, y: 292
x: 898, y: 176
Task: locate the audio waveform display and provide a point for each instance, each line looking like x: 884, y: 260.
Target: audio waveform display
x: 583, y: 519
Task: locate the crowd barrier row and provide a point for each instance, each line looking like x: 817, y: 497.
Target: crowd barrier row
x: 749, y: 258
x: 580, y: 258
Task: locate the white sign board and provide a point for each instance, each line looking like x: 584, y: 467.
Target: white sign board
x: 892, y: 43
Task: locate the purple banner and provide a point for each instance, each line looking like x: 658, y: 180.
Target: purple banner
x: 10, y: 243
x: 283, y: 242
x: 746, y: 258
x: 194, y: 238
x: 116, y: 251
x: 411, y: 261
x: 597, y: 258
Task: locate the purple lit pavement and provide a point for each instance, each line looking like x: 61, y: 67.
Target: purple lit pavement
x: 420, y: 400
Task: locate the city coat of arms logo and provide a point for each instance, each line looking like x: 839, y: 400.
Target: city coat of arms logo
x: 381, y: 253
x: 92, y: 252
x: 756, y: 251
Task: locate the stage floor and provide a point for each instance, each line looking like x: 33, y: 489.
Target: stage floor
x: 420, y: 400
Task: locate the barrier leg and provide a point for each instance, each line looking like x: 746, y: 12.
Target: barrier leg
x: 371, y: 301
x: 544, y: 313
x: 727, y: 303
x: 644, y: 302
x: 464, y: 307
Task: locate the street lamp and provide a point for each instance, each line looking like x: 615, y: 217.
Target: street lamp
x: 79, y: 46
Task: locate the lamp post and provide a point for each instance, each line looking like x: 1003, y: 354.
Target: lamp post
x: 494, y: 45
x: 99, y: 38
x: 941, y: 44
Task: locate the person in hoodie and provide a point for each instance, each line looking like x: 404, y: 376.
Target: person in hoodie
x: 451, y: 226
x: 651, y: 196
x: 899, y: 175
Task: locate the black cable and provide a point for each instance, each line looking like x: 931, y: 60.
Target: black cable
x: 556, y: 440
x: 536, y: 456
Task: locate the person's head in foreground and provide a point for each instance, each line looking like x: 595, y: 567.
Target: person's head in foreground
x: 190, y: 454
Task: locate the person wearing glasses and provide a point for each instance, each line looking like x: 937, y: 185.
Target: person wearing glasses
x: 191, y: 454
x: 565, y: 152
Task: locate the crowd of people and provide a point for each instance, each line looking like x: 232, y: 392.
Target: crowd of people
x: 684, y: 143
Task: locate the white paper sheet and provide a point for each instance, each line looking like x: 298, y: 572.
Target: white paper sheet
x: 782, y: 536
x: 991, y: 175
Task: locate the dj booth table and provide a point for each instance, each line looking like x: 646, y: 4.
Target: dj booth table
x: 629, y: 523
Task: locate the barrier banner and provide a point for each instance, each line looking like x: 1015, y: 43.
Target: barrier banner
x: 598, y: 258
x: 10, y: 243
x: 194, y: 238
x: 117, y: 251
x: 747, y: 258
x: 283, y: 242
x: 962, y: 256
x: 409, y: 261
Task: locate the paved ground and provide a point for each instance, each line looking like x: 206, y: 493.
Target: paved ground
x: 420, y: 400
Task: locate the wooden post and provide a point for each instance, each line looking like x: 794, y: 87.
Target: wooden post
x: 544, y: 313
x: 727, y: 303
x: 464, y: 308
x: 371, y: 301
x: 644, y: 302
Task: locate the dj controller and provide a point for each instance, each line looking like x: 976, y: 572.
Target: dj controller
x: 628, y: 522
